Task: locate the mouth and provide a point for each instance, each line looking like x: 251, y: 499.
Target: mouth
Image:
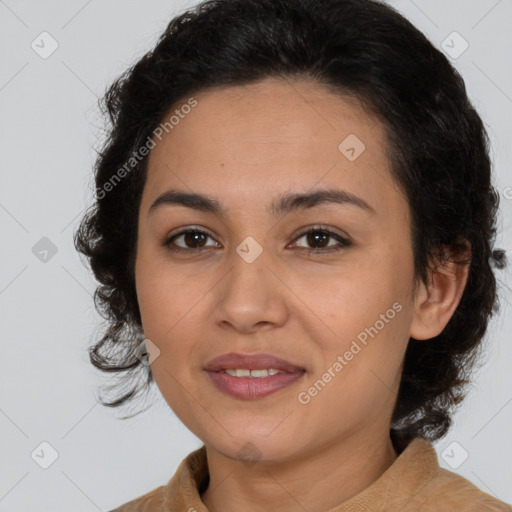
x: 251, y: 377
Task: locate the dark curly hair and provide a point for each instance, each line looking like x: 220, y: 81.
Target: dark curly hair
x: 437, y: 145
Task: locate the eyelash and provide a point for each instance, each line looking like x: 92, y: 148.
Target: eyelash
x: 344, y: 242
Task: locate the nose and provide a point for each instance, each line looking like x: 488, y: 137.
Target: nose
x: 252, y: 295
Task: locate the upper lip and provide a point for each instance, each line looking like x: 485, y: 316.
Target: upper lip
x: 251, y: 362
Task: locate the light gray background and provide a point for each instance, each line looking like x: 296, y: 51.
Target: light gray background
x: 49, y: 126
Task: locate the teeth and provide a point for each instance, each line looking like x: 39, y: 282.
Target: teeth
x: 244, y: 372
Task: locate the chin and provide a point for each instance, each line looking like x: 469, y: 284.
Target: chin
x: 250, y: 446
x: 251, y: 452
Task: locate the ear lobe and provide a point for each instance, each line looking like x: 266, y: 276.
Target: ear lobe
x: 436, y: 302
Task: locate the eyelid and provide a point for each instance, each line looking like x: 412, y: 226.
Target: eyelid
x: 187, y: 229
x: 321, y: 227
x: 344, y: 241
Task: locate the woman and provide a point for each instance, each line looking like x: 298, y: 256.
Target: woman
x: 295, y: 219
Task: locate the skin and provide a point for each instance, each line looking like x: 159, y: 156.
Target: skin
x: 246, y: 146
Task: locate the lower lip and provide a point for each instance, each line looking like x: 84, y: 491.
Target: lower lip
x: 251, y: 388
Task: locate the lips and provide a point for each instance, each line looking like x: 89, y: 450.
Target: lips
x: 251, y: 362
x: 251, y: 388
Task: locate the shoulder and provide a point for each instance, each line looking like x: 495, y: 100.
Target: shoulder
x: 180, y: 492
x: 448, y: 491
x: 152, y: 501
x: 420, y: 484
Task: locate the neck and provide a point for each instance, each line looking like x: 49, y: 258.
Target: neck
x: 315, y: 482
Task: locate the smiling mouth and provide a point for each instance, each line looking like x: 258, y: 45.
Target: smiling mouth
x: 251, y: 377
x: 235, y: 361
x: 258, y: 374
x: 252, y: 387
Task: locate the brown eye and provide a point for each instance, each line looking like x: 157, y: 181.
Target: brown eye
x: 320, y: 239
x: 190, y: 239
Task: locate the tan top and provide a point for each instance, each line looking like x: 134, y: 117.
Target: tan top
x: 413, y: 483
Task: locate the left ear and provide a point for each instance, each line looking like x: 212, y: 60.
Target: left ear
x: 436, y: 302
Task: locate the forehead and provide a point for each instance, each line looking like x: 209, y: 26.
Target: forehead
x: 268, y: 137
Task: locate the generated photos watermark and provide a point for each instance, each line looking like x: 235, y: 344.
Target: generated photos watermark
x: 304, y: 397
x: 138, y: 156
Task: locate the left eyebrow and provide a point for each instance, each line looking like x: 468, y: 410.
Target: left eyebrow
x: 293, y: 202
x: 285, y: 204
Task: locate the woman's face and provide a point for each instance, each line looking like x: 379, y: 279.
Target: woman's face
x: 253, y: 282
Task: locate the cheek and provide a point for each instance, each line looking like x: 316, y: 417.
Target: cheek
x: 351, y: 300
x: 159, y: 307
x: 367, y: 312
x: 165, y: 308
x: 171, y: 304
x: 165, y: 293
